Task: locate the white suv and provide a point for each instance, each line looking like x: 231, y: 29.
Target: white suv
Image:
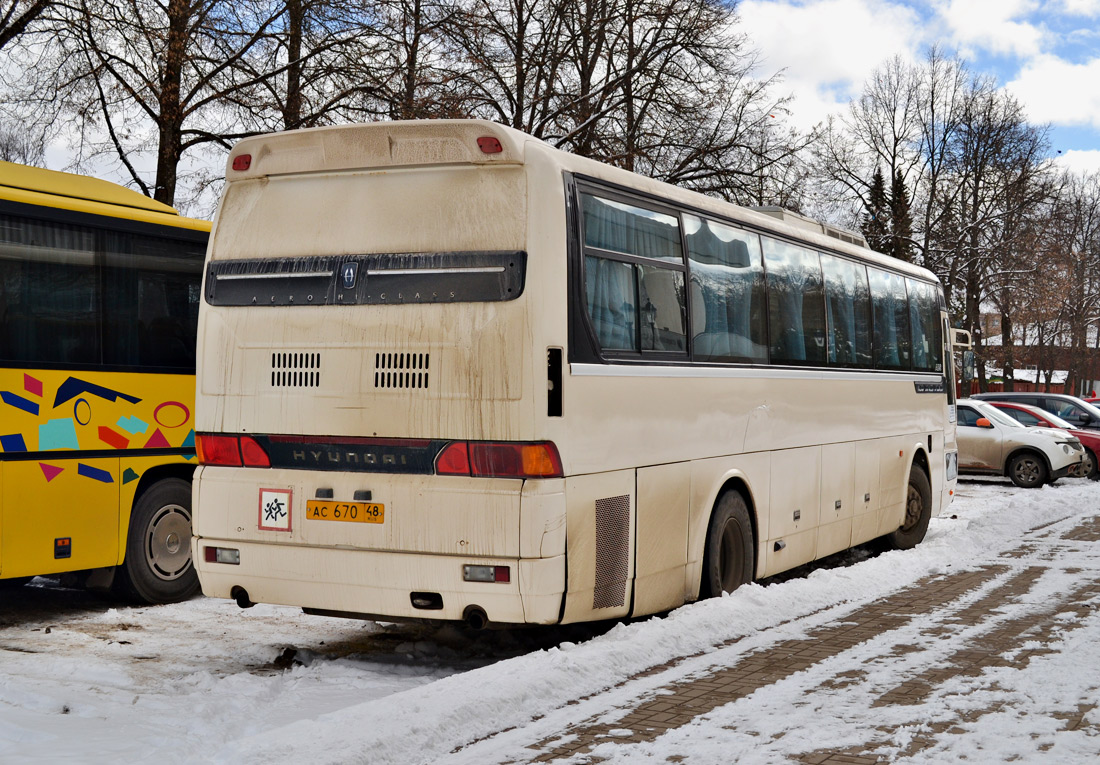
x: 993, y: 443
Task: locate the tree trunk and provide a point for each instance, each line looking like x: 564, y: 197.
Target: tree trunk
x: 170, y: 124
x: 1009, y: 352
x: 295, y: 17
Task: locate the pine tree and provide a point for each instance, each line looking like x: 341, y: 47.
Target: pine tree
x: 876, y: 222
x: 901, y: 221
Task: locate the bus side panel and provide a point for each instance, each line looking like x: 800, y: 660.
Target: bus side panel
x: 663, y: 495
x: 708, y: 479
x: 59, y: 414
x: 600, y: 544
x: 795, y: 497
x: 48, y: 502
x: 867, y: 496
x: 897, y: 456
x: 838, y: 462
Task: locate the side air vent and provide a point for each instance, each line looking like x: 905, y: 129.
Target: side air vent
x: 295, y: 370
x: 612, y: 551
x: 401, y: 370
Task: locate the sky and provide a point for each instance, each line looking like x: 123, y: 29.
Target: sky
x: 1047, y: 54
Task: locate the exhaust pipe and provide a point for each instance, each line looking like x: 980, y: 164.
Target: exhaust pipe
x: 240, y: 594
x: 475, y: 618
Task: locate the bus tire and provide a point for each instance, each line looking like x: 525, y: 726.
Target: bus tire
x: 918, y: 511
x: 1028, y: 470
x: 728, y: 555
x: 158, y: 566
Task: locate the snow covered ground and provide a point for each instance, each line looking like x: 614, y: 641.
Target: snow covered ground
x: 86, y: 680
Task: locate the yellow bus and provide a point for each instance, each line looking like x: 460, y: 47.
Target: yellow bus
x: 449, y: 372
x: 99, y: 294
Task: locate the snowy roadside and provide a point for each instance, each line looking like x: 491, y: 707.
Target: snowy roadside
x: 84, y: 680
x: 425, y: 724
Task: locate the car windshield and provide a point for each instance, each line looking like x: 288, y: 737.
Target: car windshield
x: 996, y: 415
x: 1057, y: 421
x: 1093, y: 411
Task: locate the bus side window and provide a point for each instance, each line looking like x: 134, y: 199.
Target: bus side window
x: 50, y: 299
x: 634, y: 305
x: 924, y: 321
x: 661, y: 300
x: 611, y: 305
x: 727, y: 290
x: 848, y: 305
x: 891, y: 320
x: 796, y: 306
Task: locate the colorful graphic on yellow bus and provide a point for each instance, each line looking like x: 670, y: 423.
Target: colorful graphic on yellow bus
x: 150, y: 425
x: 99, y: 290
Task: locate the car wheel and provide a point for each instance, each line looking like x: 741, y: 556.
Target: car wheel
x: 1027, y: 470
x: 1089, y: 467
x: 728, y: 555
x: 918, y: 511
x: 158, y: 567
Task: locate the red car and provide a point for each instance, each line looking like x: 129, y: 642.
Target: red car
x: 1033, y: 416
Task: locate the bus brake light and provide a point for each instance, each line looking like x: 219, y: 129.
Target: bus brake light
x: 500, y: 459
x: 230, y: 451
x: 253, y: 454
x: 217, y: 450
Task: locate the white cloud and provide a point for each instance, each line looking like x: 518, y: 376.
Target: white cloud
x: 1081, y: 161
x: 1081, y: 7
x: 996, y: 26
x: 827, y: 48
x: 1057, y: 91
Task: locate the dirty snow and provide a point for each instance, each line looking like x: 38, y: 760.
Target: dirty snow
x: 83, y: 679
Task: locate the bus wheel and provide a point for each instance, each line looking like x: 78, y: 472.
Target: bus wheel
x: 918, y: 511
x: 158, y: 566
x: 1027, y: 470
x: 728, y: 555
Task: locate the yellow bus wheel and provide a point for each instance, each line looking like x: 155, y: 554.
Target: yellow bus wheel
x: 158, y: 566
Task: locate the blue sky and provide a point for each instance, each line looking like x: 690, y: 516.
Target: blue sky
x: 1047, y: 54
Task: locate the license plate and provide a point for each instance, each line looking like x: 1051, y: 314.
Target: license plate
x: 354, y: 512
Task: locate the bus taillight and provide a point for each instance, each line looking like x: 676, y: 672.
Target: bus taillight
x: 230, y: 451
x: 500, y: 459
x: 253, y: 454
x: 217, y: 450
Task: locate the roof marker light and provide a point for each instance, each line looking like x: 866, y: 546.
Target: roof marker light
x: 489, y: 145
x: 242, y: 162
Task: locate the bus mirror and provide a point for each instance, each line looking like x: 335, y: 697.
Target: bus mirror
x: 960, y: 338
x: 969, y: 366
x: 983, y: 423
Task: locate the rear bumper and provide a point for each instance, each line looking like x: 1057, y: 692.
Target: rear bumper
x: 379, y: 583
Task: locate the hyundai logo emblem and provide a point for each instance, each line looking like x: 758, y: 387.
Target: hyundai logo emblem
x: 348, y: 274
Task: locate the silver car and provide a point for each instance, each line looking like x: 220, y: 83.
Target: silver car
x: 993, y: 443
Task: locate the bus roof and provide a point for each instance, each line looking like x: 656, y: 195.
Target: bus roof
x: 51, y: 188
x: 380, y: 145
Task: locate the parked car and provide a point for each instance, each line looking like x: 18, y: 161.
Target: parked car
x: 1034, y: 417
x: 992, y: 443
x: 1073, y: 410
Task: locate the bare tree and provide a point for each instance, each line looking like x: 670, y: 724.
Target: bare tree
x: 142, y: 77
x: 17, y: 16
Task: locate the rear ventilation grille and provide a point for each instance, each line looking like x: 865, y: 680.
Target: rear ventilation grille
x: 401, y: 370
x: 295, y: 370
x: 612, y: 551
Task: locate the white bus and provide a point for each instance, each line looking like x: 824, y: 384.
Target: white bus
x: 449, y: 372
